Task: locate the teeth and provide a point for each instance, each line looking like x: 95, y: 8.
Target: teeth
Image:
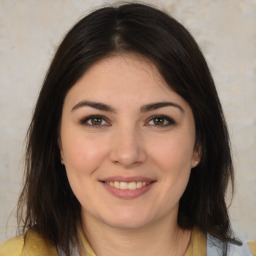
x: 127, y: 185
x: 116, y: 184
x: 123, y: 185
x: 139, y: 184
x: 132, y: 185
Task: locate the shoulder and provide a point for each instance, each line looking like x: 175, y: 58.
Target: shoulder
x: 215, y: 248
x: 12, y: 247
x: 252, y: 246
x: 32, y: 244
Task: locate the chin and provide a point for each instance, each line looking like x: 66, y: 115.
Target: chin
x: 127, y: 220
x: 126, y: 224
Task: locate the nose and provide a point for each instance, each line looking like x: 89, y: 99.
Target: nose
x: 128, y: 149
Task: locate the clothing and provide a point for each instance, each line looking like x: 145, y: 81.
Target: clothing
x: 215, y: 248
x: 35, y: 245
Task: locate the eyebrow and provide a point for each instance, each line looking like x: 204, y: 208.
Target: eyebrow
x: 143, y: 109
x: 157, y: 105
x: 96, y: 105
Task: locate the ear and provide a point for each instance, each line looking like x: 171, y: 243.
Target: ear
x: 197, y: 154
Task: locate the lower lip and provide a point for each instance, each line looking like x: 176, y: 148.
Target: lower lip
x: 127, y: 193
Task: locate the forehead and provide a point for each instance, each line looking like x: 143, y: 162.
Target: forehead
x: 124, y: 69
x: 121, y: 79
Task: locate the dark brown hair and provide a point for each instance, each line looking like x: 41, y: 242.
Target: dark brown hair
x: 47, y: 202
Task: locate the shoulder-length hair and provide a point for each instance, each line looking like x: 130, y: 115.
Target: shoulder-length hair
x: 47, y: 202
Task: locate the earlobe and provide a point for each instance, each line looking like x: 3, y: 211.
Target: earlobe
x: 195, y: 163
x: 196, y: 156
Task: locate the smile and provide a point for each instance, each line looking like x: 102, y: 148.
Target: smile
x: 127, y: 185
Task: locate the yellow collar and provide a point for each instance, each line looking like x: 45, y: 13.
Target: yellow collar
x: 197, y: 245
x: 86, y: 249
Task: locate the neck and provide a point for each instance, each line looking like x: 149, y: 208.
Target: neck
x: 159, y: 238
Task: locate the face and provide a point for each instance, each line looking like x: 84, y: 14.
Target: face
x: 127, y: 141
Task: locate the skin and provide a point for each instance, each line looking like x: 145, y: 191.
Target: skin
x: 128, y: 141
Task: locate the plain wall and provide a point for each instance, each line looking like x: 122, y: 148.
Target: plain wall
x: 31, y: 30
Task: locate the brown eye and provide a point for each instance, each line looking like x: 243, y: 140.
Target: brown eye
x: 158, y: 121
x: 94, y: 121
x: 161, y: 121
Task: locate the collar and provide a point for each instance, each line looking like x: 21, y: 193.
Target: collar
x: 197, y: 245
x: 86, y: 249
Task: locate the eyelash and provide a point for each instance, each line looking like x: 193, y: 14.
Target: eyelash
x: 167, y: 119
x: 84, y: 121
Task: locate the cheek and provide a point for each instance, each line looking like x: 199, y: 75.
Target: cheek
x: 175, y: 164
x: 174, y: 161
x: 82, y: 157
x: 173, y: 154
x: 82, y: 154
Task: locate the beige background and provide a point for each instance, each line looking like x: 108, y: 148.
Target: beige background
x: 30, y: 31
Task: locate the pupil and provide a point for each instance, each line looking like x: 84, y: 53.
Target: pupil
x: 159, y: 121
x: 96, y: 121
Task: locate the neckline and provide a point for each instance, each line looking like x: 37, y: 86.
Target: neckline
x: 197, y: 244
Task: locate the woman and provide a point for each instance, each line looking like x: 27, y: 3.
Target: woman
x: 128, y: 151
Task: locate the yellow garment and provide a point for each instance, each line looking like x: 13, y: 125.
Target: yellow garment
x: 252, y: 246
x: 196, y: 247
x: 35, y: 245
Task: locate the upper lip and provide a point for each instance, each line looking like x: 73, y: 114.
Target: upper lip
x: 127, y: 179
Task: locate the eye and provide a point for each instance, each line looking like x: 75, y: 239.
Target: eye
x: 161, y: 121
x: 94, y: 121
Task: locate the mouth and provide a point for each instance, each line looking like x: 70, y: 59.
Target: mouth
x: 127, y: 185
x: 127, y: 188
